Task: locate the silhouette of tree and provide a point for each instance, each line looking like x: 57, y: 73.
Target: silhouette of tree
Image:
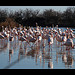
x: 48, y: 17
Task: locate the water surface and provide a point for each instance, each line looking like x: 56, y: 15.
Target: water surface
x: 24, y: 56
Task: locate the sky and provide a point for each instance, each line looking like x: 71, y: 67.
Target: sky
x: 41, y: 8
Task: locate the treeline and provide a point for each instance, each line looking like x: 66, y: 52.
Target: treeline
x: 29, y: 17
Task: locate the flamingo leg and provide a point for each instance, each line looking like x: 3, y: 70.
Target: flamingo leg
x: 61, y: 46
x: 1, y: 43
x: 49, y: 44
x: 51, y: 47
x: 66, y: 47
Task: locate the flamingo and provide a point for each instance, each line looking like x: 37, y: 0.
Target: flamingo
x: 39, y: 38
x: 1, y: 36
x: 22, y: 39
x: 5, y: 34
x: 60, y: 39
x: 72, y: 35
x: 33, y: 41
x: 69, y: 43
x: 11, y: 38
x: 15, y: 33
x: 50, y: 40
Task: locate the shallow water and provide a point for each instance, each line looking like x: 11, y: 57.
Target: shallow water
x: 24, y: 56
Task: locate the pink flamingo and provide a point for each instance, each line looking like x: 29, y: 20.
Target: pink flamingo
x: 69, y: 43
x: 50, y: 40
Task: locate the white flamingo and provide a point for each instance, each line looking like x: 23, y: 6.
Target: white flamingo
x: 50, y: 40
x: 69, y: 43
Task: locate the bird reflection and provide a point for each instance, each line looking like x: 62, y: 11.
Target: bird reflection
x: 10, y: 54
x: 25, y: 47
x: 50, y: 62
x: 40, y: 57
x: 10, y: 50
x: 43, y: 54
x: 47, y: 55
x: 31, y: 53
x: 3, y: 45
x: 21, y: 51
x: 69, y: 60
x: 64, y: 58
x: 56, y: 56
x: 15, y: 46
x: 37, y: 53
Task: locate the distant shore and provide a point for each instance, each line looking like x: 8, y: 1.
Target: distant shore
x: 30, y: 17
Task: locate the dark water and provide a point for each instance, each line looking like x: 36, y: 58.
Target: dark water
x: 23, y: 56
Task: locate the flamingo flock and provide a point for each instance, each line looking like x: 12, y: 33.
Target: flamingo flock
x: 39, y: 35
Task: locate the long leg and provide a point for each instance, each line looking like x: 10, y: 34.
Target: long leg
x: 51, y: 47
x: 61, y: 46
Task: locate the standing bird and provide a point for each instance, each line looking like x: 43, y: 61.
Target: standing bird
x: 69, y: 43
x: 50, y: 40
x: 39, y: 38
x: 11, y: 38
x: 22, y: 39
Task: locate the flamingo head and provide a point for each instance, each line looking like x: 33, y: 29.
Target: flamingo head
x: 56, y: 33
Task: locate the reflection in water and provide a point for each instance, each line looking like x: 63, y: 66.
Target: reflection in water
x: 69, y: 62
x: 50, y: 62
x: 21, y: 51
x: 42, y: 54
x: 10, y: 54
x: 3, y: 45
